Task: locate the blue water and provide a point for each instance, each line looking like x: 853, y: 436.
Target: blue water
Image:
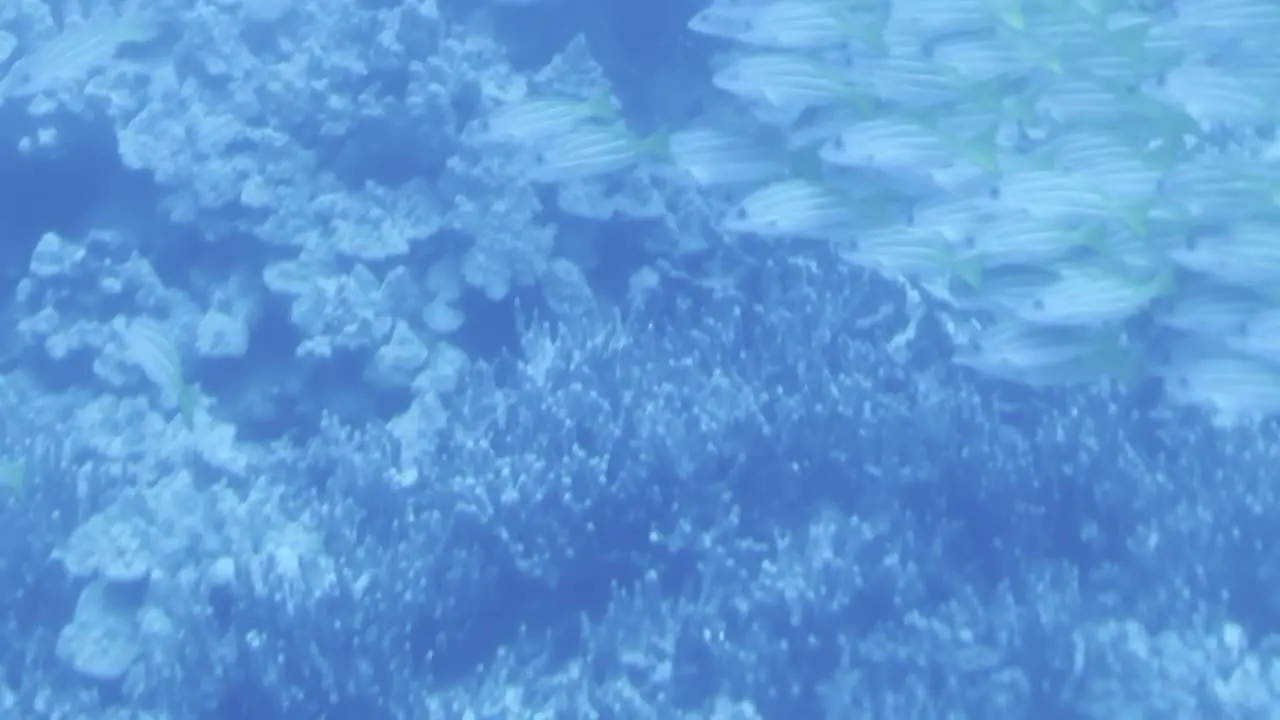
x: 714, y: 495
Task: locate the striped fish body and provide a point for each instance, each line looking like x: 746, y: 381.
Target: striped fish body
x: 74, y: 55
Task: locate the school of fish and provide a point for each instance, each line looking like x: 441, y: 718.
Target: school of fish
x: 1095, y: 182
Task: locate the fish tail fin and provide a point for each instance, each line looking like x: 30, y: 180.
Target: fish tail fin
x: 1096, y: 237
x: 1009, y: 12
x: 657, y: 145
x: 133, y: 23
x: 600, y: 106
x: 969, y: 269
x: 1134, y: 217
x: 983, y: 149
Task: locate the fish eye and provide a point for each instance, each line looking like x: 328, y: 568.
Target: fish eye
x: 969, y: 241
x: 838, y: 143
x: 1038, y: 305
x: 740, y: 214
x: 994, y: 192
x: 1191, y: 241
